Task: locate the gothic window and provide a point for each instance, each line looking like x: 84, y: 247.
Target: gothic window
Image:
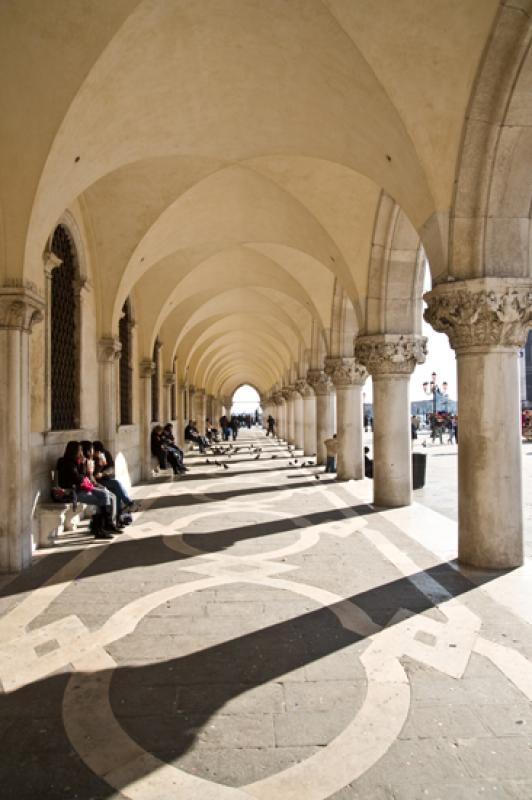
x: 64, y: 329
x: 155, y: 383
x: 126, y: 383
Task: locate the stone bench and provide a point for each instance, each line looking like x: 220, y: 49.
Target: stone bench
x: 55, y: 518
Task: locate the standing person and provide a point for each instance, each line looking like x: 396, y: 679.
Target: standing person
x: 271, y: 426
x: 234, y: 426
x: 225, y: 427
x: 368, y: 464
x: 331, y: 446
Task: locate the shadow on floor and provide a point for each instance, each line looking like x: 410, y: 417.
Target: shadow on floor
x: 164, y: 706
x: 132, y: 553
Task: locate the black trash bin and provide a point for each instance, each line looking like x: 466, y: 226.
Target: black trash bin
x: 419, y: 469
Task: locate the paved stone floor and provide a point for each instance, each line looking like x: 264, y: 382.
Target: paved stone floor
x: 258, y: 633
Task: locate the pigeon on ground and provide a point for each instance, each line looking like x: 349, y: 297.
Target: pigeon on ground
x: 291, y: 463
x: 218, y: 464
x: 207, y: 461
x: 256, y: 457
x: 225, y: 466
x: 317, y: 477
x: 274, y: 456
x: 309, y: 464
x: 296, y: 461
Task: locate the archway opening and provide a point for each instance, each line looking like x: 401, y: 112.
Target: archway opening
x: 246, y: 401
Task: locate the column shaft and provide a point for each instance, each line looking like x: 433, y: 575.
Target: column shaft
x: 350, y: 462
x: 297, y: 402
x: 108, y: 353
x: 146, y: 371
x: 324, y: 423
x: 392, y: 467
x: 309, y: 432
x: 19, y: 309
x: 490, y: 502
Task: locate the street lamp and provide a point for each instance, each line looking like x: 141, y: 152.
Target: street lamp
x: 433, y: 389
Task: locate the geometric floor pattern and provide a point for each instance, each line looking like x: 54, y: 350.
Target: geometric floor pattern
x: 261, y: 633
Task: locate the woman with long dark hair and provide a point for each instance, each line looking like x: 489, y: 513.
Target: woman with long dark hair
x: 73, y: 474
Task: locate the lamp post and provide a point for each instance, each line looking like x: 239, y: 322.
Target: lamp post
x: 433, y: 389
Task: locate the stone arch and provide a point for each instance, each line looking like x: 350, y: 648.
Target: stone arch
x: 396, y: 271
x: 490, y: 218
x: 344, y: 325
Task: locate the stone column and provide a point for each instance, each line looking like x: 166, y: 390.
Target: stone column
x: 287, y: 393
x: 51, y: 262
x: 168, y: 382
x: 299, y: 414
x: 191, y: 403
x: 279, y: 415
x: 200, y: 410
x: 109, y: 348
x: 147, y: 368
x: 486, y: 320
x: 348, y: 378
x: 20, y: 309
x: 390, y: 359
x: 324, y: 411
x: 180, y: 422
x: 309, y: 418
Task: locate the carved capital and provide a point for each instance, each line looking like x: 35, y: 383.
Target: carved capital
x: 482, y: 312
x: 147, y: 368
x: 391, y: 354
x: 20, y: 308
x: 302, y: 388
x: 191, y: 390
x: 109, y: 349
x: 286, y: 393
x: 50, y: 262
x: 169, y: 378
x: 319, y: 381
x: 277, y: 398
x: 345, y: 371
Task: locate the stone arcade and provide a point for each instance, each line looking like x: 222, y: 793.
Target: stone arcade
x: 252, y: 243
x: 197, y: 195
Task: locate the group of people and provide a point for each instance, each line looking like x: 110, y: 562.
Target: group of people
x: 86, y: 470
x: 229, y: 427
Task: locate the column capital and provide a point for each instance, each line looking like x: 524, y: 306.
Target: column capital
x: 481, y: 312
x: 278, y: 398
x: 20, y: 308
x: 191, y: 389
x: 345, y: 371
x: 50, y: 262
x: 147, y: 368
x: 109, y: 349
x: 303, y: 388
x: 319, y: 381
x: 391, y: 353
x: 169, y: 378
